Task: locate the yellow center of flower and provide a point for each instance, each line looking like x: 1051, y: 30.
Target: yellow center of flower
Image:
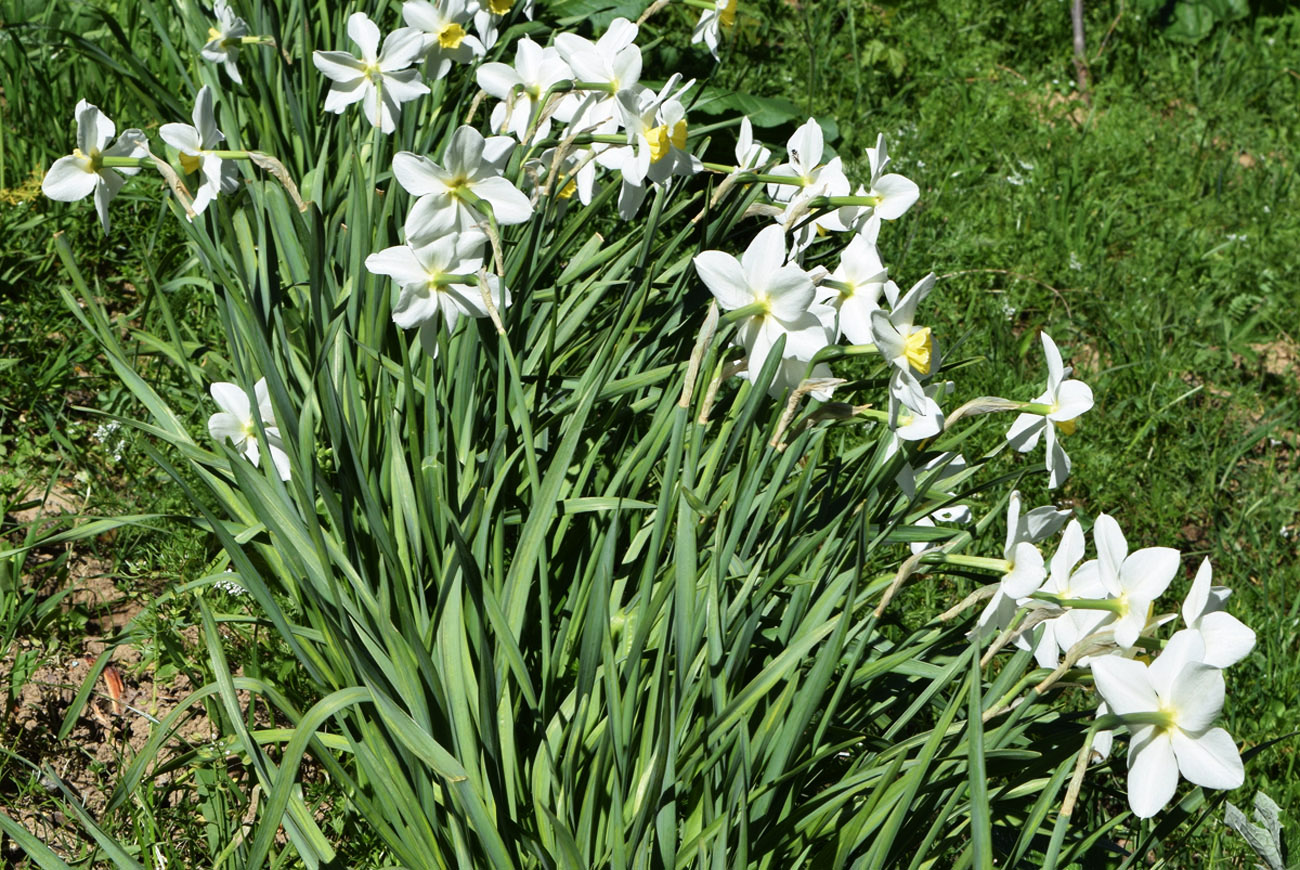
x: 1067, y: 427
x: 917, y: 350
x: 191, y: 162
x: 662, y: 140
x: 500, y: 7
x: 213, y: 33
x: 451, y: 35
x: 727, y: 15
x: 567, y: 191
x: 93, y: 161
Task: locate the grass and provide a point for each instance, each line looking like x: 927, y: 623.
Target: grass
x: 1151, y: 233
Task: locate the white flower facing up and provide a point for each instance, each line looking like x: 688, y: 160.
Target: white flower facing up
x: 1174, y: 702
x: 521, y: 87
x: 709, y: 28
x: 438, y: 282
x: 1135, y: 579
x: 442, y: 29
x: 781, y: 294
x: 379, y: 80
x: 448, y: 195
x: 612, y: 63
x: 854, y: 288
x: 198, y: 151
x: 1227, y: 639
x: 224, y: 40
x: 810, y: 177
x: 1065, y: 399
x: 236, y: 422
x: 83, y: 172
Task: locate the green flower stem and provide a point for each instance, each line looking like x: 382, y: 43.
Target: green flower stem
x: 837, y: 201
x: 701, y: 4
x: 840, y: 351
x: 1001, y: 566
x: 1109, y: 604
x: 1035, y: 408
x: 120, y: 162
x: 753, y: 309
x: 448, y: 278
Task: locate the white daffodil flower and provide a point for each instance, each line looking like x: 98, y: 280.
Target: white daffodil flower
x: 442, y: 29
x: 612, y: 63
x: 1066, y: 399
x: 235, y: 421
x: 1135, y: 580
x: 749, y: 153
x: 379, y: 80
x: 656, y: 135
x: 855, y: 287
x: 805, y: 150
x: 224, y: 39
x: 1186, y: 695
x: 894, y: 193
x: 709, y: 28
x: 198, y: 151
x: 438, y: 278
x: 781, y: 292
x: 917, y: 422
x: 1027, y: 571
x: 521, y: 87
x: 1227, y: 639
x: 903, y: 344
x: 930, y: 479
x: 1060, y: 633
x: 83, y: 172
x: 448, y: 195
x: 489, y: 14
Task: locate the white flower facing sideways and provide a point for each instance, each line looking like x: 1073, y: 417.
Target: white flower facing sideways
x: 908, y: 347
x: 439, y: 278
x: 224, y: 40
x: 1134, y: 580
x: 613, y: 63
x: 83, y: 172
x: 780, y: 294
x: 379, y: 80
x: 854, y: 288
x: 1172, y: 705
x: 749, y: 153
x: 198, y: 150
x: 1065, y: 581
x: 1065, y: 399
x: 449, y: 195
x: 1026, y: 571
x: 1227, y: 639
x: 235, y: 421
x: 709, y: 28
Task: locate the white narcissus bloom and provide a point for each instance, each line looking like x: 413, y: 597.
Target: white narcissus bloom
x: 83, y: 172
x: 379, y: 80
x: 1186, y: 695
x: 1227, y: 639
x: 901, y: 342
x: 709, y: 28
x: 611, y: 62
x: 805, y: 149
x: 224, y: 39
x: 656, y: 135
x: 917, y: 422
x: 433, y: 285
x: 1135, y: 580
x: 750, y: 154
x: 448, y: 194
x: 442, y: 30
x: 521, y: 87
x: 894, y: 193
x: 235, y: 421
x: 1027, y: 569
x: 489, y: 14
x: 198, y: 146
x: 1065, y: 581
x: 782, y: 290
x: 1065, y: 398
x: 861, y: 278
